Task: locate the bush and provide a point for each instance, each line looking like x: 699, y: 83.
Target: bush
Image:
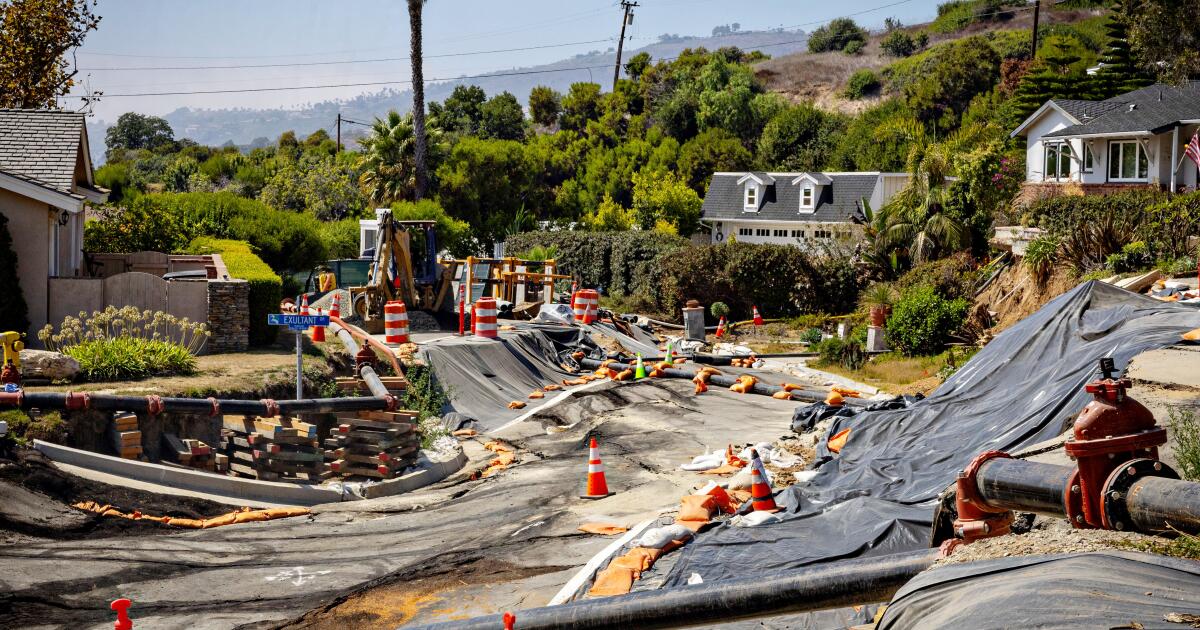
x: 923, y: 319
x: 861, y: 83
x: 854, y: 47
x: 898, y: 44
x: 125, y: 343
x: 844, y: 352
x: 835, y: 36
x: 340, y: 238
x: 1185, y: 441
x: 719, y: 309
x: 1092, y: 227
x: 1040, y: 256
x: 620, y: 263
x: 952, y: 277
x: 266, y: 287
x: 1133, y: 256
x: 812, y: 336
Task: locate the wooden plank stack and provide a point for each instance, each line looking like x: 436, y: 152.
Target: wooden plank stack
x: 273, y: 449
x: 376, y: 444
x: 349, y: 384
x: 193, y: 453
x: 125, y: 436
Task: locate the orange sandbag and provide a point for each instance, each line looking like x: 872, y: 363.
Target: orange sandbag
x: 1192, y: 335
x: 693, y: 525
x: 577, y: 355
x: 604, y: 529
x: 723, y: 469
x: 746, y: 378
x: 551, y: 387
x: 740, y: 387
x: 219, y: 521
x: 662, y: 365
x: 781, y: 395
x: 189, y: 523
x: 465, y: 433
x: 740, y: 496
x: 624, y: 375
x: 787, y: 387
x: 497, y: 446
x: 697, y: 507
x: 680, y: 360
x: 845, y: 391
x: 655, y: 373
x: 285, y: 512
x: 253, y: 516
x: 722, y: 499
x: 701, y: 387
x: 605, y: 362
x: 839, y: 440
x: 536, y: 394
x: 516, y: 404
x: 612, y: 581
x: 731, y: 459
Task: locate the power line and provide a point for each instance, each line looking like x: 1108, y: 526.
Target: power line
x: 333, y: 63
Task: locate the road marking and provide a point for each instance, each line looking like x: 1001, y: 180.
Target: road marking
x: 296, y: 576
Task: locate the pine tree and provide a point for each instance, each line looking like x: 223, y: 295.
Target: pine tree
x: 1050, y: 77
x: 14, y: 314
x: 1118, y: 72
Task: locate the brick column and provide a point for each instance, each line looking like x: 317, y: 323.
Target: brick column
x: 228, y: 316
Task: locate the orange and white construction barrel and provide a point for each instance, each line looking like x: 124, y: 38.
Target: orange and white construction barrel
x: 395, y: 322
x: 585, y: 304
x: 483, y: 318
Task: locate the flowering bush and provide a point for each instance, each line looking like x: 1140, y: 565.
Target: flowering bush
x: 125, y: 343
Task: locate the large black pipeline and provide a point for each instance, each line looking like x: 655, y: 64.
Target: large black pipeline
x: 195, y: 406
x: 1154, y: 504
x: 844, y: 583
x: 802, y: 394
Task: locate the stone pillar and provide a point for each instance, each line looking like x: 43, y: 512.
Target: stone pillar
x: 875, y: 341
x: 693, y: 320
x: 228, y: 316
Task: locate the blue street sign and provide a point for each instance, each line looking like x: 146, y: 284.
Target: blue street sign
x: 297, y: 322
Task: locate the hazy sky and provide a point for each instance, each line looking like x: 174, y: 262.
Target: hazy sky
x: 178, y: 33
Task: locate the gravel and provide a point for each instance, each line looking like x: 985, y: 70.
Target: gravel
x: 1049, y: 536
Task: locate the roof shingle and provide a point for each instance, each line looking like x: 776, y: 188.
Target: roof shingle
x: 41, y: 145
x: 1149, y: 109
x: 838, y: 202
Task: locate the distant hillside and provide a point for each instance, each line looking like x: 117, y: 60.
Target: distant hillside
x: 253, y: 127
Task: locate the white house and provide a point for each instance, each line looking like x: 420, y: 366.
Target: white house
x: 1135, y: 139
x: 802, y: 209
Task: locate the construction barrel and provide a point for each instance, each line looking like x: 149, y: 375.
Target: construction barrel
x: 585, y: 303
x: 395, y: 322
x: 483, y: 318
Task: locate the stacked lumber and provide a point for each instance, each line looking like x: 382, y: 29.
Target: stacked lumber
x: 377, y: 444
x: 351, y: 385
x: 193, y: 454
x: 125, y: 436
x: 273, y: 449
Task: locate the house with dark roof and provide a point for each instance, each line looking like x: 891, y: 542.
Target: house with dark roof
x: 802, y: 209
x: 1134, y: 139
x: 45, y: 181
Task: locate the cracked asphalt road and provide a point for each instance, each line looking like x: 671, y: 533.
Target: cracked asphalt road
x: 453, y: 550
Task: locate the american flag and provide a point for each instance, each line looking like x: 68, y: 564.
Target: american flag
x: 1193, y: 149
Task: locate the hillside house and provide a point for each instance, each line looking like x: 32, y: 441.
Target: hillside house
x: 802, y: 209
x: 45, y: 180
x: 1134, y: 139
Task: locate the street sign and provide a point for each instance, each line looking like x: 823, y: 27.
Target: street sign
x: 297, y: 322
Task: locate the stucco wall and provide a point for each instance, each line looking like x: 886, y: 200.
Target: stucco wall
x: 840, y: 232
x: 29, y: 224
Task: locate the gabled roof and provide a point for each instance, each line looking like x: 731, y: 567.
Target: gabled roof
x: 820, y: 179
x: 1083, y: 111
x: 839, y: 201
x: 1145, y: 111
x: 46, y: 146
x: 762, y: 179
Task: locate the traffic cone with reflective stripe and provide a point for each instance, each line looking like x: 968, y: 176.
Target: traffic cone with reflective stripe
x: 759, y: 490
x: 758, y: 320
x: 721, y: 327
x: 304, y: 304
x: 335, y: 307
x: 640, y: 371
x: 318, y: 332
x: 597, y: 487
x: 670, y: 358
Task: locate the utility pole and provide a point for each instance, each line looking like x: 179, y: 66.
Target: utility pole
x: 339, y: 132
x: 1037, y: 7
x: 626, y: 19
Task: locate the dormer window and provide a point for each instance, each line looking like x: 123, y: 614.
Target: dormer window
x: 751, y: 196
x: 806, y: 198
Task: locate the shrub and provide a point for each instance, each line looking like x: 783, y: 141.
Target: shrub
x: 952, y: 277
x: 341, y: 238
x: 14, y: 314
x: 719, y: 309
x: 923, y: 319
x: 1167, y: 226
x: 844, y: 352
x: 1185, y: 440
x: 898, y: 44
x: 1132, y: 257
x: 835, y: 36
x: 620, y: 263
x: 125, y: 343
x: 1040, y: 256
x: 266, y: 287
x: 811, y: 336
x: 854, y: 47
x: 1091, y: 227
x: 426, y: 396
x: 861, y: 83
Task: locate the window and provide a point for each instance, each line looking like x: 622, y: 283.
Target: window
x: 1088, y: 159
x: 1127, y: 162
x: 797, y: 233
x: 762, y: 232
x: 822, y: 234
x: 806, y: 198
x: 751, y: 196
x: 781, y: 233
x: 1057, y: 166
x: 745, y: 232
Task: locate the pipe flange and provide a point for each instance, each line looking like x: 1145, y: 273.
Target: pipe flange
x: 1073, y: 502
x: 971, y: 472
x: 216, y: 407
x: 393, y: 402
x: 272, y: 407
x: 1115, y: 512
x: 154, y: 405
x: 74, y: 400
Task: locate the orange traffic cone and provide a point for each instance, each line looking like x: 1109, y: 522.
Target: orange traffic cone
x: 335, y: 307
x: 318, y: 332
x: 304, y: 304
x: 759, y: 490
x: 597, y: 487
x: 758, y: 320
x: 721, y: 327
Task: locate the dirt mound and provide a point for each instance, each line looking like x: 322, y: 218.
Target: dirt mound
x: 35, y: 499
x: 1014, y: 294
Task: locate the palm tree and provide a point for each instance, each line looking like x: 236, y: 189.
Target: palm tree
x: 387, y: 159
x: 916, y: 219
x: 418, y: 88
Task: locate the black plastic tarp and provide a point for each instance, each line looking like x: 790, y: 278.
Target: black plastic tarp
x: 1092, y: 590
x: 1021, y: 389
x: 482, y: 376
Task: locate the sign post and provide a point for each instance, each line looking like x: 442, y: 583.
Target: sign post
x: 298, y: 324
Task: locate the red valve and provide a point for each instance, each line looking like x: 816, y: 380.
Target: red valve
x: 976, y: 519
x: 122, y: 607
x: 510, y: 620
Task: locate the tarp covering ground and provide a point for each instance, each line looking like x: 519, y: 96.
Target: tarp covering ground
x: 879, y: 495
x: 1093, y: 590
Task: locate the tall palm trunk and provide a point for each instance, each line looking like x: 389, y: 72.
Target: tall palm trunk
x: 418, y: 88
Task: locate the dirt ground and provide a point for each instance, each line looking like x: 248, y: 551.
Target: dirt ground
x: 1014, y: 294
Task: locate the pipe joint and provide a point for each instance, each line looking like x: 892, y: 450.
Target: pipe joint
x: 216, y: 407
x: 976, y: 519
x: 271, y: 407
x: 154, y: 405
x: 75, y: 401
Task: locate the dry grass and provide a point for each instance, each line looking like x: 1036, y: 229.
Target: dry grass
x: 898, y: 374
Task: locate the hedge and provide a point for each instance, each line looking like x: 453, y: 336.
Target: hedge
x: 1091, y: 227
x: 266, y: 287
x: 619, y: 263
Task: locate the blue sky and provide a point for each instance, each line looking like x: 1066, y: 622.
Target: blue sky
x: 141, y: 33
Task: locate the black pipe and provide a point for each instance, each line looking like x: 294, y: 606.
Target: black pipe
x: 142, y: 404
x: 1158, y: 504
x: 1024, y: 486
x: 843, y: 583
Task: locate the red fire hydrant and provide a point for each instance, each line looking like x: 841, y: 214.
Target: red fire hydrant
x: 121, y: 607
x: 1110, y: 432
